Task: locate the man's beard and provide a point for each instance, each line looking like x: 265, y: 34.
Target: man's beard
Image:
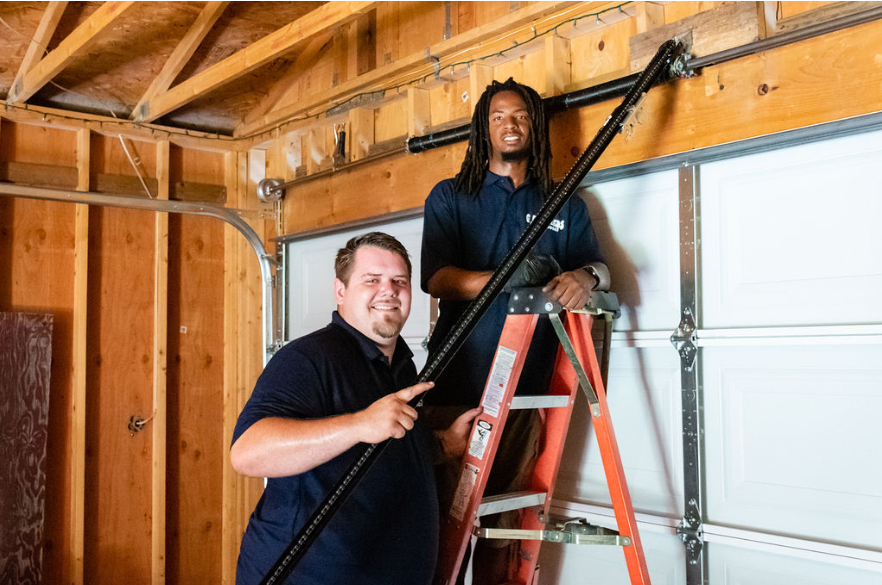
x: 387, y: 329
x: 516, y: 155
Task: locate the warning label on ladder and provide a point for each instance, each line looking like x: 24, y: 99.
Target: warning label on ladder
x: 498, y: 380
x: 480, y: 439
x: 464, y: 491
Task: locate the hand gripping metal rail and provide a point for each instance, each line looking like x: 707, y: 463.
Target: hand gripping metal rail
x: 664, y: 65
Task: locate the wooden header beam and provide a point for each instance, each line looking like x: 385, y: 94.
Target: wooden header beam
x: 30, y: 82
x: 330, y: 15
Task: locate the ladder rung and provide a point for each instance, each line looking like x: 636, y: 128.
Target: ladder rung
x: 539, y: 401
x: 512, y: 501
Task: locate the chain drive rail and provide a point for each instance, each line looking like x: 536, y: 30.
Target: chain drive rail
x: 663, y: 66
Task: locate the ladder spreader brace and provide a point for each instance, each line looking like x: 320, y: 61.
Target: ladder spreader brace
x: 576, y: 367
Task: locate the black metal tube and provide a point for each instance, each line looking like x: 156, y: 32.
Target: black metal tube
x: 591, y: 95
x: 417, y: 144
x: 618, y: 87
x: 562, y: 192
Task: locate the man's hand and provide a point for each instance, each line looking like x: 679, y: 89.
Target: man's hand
x: 390, y: 417
x: 571, y: 289
x: 454, y: 439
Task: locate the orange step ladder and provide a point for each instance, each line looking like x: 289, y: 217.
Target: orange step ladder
x: 576, y: 366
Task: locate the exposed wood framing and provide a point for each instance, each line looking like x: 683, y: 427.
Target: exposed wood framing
x: 55, y: 118
x: 160, y: 370
x: 362, y: 51
x: 650, y: 15
x: 480, y: 76
x: 79, y: 362
x: 232, y: 483
x: 328, y: 16
x: 182, y: 53
x: 73, y: 45
x: 419, y: 111
x: 821, y: 14
x: 361, y: 127
x: 306, y: 59
x: 760, y: 94
x: 557, y: 65
x: 243, y: 348
x: 461, y: 47
x: 725, y: 27
x: 51, y: 17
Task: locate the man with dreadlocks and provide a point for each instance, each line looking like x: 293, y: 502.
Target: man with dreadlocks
x: 471, y: 223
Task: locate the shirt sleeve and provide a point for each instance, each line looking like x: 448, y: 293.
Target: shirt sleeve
x: 441, y: 241
x: 583, y: 246
x: 289, y: 387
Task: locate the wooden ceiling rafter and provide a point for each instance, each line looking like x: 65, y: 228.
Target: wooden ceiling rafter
x: 462, y: 46
x: 183, y: 52
x: 40, y: 43
x: 73, y: 45
x: 328, y: 16
x: 304, y: 61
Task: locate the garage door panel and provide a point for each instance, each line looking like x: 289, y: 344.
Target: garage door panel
x: 792, y: 439
x: 790, y: 237
x: 605, y: 565
x: 644, y: 402
x: 636, y: 222
x: 735, y: 565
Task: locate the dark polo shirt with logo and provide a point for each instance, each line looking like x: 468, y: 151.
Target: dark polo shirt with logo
x: 476, y: 233
x: 386, y: 532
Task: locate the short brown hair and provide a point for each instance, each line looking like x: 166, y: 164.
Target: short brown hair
x: 346, y: 254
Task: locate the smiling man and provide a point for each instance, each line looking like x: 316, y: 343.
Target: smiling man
x: 319, y: 398
x: 471, y: 223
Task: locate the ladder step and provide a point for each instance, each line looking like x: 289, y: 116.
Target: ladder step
x: 512, y: 501
x: 539, y: 401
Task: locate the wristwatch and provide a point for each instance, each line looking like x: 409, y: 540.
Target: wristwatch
x: 593, y: 272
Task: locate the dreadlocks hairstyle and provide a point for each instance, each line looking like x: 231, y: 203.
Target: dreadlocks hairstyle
x: 474, y: 166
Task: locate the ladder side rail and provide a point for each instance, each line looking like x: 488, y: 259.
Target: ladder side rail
x: 555, y: 429
x: 457, y: 522
x: 609, y: 453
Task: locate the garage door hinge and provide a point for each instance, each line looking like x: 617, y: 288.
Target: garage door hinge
x: 690, y: 532
x: 683, y: 339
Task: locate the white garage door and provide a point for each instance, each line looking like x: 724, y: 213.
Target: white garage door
x: 788, y: 309
x: 789, y: 336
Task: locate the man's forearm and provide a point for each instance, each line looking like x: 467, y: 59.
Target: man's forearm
x: 279, y: 447
x: 456, y: 284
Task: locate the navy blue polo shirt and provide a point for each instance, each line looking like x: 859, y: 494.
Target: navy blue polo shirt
x: 386, y: 532
x: 476, y: 233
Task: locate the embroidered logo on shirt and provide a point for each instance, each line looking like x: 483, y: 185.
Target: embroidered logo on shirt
x: 556, y: 225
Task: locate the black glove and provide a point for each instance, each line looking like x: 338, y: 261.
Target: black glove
x: 535, y: 270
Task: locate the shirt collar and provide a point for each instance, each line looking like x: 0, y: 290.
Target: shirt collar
x: 368, y: 347
x: 491, y: 178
